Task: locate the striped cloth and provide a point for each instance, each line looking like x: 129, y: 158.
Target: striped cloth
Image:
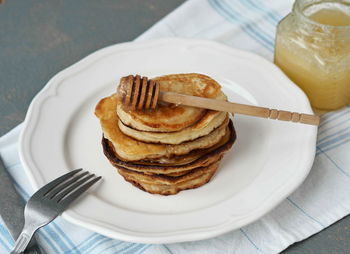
x: 320, y: 201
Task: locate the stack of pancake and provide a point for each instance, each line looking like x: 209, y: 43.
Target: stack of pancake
x: 173, y: 147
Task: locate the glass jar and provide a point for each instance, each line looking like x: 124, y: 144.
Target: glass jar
x: 313, y: 49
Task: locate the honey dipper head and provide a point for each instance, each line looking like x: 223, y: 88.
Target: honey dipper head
x: 138, y: 93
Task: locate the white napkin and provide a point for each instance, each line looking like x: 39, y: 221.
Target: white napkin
x: 320, y: 201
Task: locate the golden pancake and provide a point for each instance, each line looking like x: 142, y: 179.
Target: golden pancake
x: 169, y: 185
x: 130, y: 149
x: 170, y: 118
x: 199, y: 158
x: 203, y: 127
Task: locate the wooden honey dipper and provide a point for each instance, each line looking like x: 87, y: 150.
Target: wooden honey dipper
x: 140, y: 93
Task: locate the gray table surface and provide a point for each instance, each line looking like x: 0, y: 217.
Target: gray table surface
x: 40, y: 38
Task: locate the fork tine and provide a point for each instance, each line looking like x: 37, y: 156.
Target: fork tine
x: 48, y: 187
x: 78, y: 192
x: 65, y: 184
x: 66, y: 191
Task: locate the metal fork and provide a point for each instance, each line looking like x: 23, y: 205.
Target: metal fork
x: 50, y: 201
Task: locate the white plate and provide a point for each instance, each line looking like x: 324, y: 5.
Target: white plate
x: 267, y: 162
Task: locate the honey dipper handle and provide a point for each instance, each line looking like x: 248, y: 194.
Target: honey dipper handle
x: 219, y: 105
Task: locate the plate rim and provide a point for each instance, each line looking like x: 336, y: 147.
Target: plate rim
x: 50, y: 89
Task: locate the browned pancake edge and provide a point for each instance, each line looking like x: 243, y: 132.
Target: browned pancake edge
x: 204, y: 160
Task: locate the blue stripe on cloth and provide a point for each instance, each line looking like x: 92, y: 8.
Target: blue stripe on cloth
x: 56, y: 238
x: 64, y: 235
x: 304, y: 212
x: 329, y: 117
x: 87, y: 240
x: 207, y: 29
x: 111, y: 246
x: 334, y: 146
x: 4, y: 245
x: 21, y: 191
x: 334, y: 140
x: 332, y: 127
x: 241, y: 9
x: 265, y: 28
x: 85, y: 243
x: 334, y: 163
x: 251, y: 241
x: 172, y: 30
x: 235, y: 12
x: 49, y: 242
x: 129, y: 245
x: 273, y: 16
x: 246, y: 28
x: 134, y: 249
x: 126, y: 248
x: 90, y: 243
x: 265, y: 15
x: 102, y: 242
x: 341, y: 131
x: 167, y: 248
x: 6, y: 235
x: 142, y: 250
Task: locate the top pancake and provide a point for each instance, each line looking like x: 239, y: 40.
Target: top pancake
x: 175, y: 117
x: 206, y: 125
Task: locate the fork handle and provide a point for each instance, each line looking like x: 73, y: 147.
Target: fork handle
x: 22, y: 242
x: 243, y: 109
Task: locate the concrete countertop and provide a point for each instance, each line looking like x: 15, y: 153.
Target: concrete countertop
x: 40, y: 38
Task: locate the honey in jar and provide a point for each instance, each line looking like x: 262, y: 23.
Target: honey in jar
x: 313, y: 49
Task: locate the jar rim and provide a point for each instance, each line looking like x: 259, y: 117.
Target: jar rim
x: 299, y: 8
